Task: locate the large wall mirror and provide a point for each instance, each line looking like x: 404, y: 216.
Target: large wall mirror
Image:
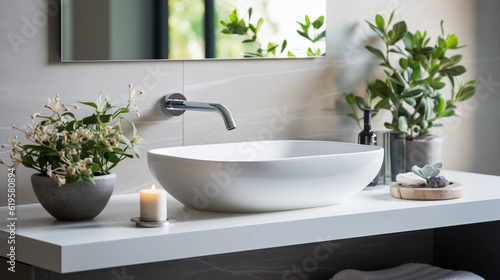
x: 114, y: 30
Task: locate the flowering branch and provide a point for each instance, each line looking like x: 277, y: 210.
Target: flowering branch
x: 70, y: 149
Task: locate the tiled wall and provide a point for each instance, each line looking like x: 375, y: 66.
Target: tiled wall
x: 306, y: 94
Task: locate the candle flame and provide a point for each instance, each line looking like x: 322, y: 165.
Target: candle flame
x: 153, y: 187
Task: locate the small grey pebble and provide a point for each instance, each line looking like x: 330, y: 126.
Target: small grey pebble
x: 438, y: 182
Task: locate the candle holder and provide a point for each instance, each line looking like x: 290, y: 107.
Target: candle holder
x: 145, y: 224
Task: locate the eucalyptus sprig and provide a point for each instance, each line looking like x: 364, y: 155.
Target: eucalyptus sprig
x: 413, y: 88
x: 69, y: 149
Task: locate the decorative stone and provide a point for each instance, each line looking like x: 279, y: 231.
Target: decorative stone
x: 410, y: 179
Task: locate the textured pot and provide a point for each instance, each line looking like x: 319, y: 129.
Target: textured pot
x: 422, y: 150
x: 78, y: 201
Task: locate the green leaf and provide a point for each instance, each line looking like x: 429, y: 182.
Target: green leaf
x: 113, y: 158
x: 136, y: 150
x: 69, y: 114
x: 88, y: 179
x: 376, y: 52
x: 250, y: 10
x: 379, y: 20
x: 361, y: 103
x: 308, y: 21
x: 310, y: 52
x: 390, y: 18
x: 424, y: 124
x: 448, y: 113
x: 442, y: 42
x: 402, y: 123
x: 417, y: 74
x: 254, y: 38
x: 233, y: 17
x: 389, y: 126
x: 400, y: 32
x: 434, y: 69
x: 410, y: 101
x: 259, y: 25
x: 290, y: 54
x: 452, y: 41
x: 72, y: 179
x: 283, y: 46
x: 437, y: 85
x: 438, y: 165
x: 320, y: 36
x: 318, y: 22
x: 412, y: 93
x: 350, y: 98
x: 28, y: 160
x: 417, y: 170
x: 271, y: 48
x: 382, y: 104
x: 91, y: 104
x: 94, y: 167
x: 403, y: 63
x: 303, y: 34
x: 466, y: 93
x: 105, y: 118
x: 453, y: 71
x: 441, y: 105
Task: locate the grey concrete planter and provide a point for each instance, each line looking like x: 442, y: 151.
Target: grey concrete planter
x: 78, y: 201
x: 422, y: 150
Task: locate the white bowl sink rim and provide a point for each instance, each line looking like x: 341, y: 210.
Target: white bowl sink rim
x: 194, y: 152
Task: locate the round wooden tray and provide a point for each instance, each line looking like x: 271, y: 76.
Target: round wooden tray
x: 452, y: 191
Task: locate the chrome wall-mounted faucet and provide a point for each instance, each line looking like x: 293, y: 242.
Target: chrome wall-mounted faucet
x: 175, y: 104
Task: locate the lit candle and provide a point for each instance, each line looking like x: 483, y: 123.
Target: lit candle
x: 153, y: 205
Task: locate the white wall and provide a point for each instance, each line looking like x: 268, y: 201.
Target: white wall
x: 305, y: 95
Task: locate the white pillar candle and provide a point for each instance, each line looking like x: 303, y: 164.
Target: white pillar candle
x: 153, y: 205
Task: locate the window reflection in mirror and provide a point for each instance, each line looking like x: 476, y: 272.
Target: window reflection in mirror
x: 191, y: 29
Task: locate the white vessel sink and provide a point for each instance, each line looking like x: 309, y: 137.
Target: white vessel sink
x: 264, y: 176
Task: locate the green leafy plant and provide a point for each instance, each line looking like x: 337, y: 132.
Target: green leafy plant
x: 238, y: 26
x: 412, y: 89
x: 427, y: 172
x: 315, y: 37
x: 70, y: 149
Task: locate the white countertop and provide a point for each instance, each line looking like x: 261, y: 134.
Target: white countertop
x: 112, y: 240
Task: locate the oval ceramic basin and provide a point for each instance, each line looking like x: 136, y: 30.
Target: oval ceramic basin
x: 264, y: 176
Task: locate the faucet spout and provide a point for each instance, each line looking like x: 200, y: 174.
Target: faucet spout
x: 175, y: 104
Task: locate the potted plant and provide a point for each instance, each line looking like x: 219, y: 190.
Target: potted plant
x: 74, y: 157
x: 414, y: 89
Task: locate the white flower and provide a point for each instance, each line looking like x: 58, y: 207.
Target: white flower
x: 101, y: 103
x: 131, y: 99
x: 16, y: 160
x: 88, y: 160
x: 56, y: 105
x: 60, y: 180
x: 14, y: 145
